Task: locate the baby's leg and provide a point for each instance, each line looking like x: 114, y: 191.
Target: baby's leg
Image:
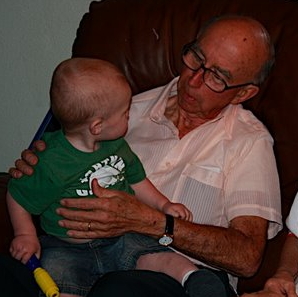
x: 197, y: 282
x: 70, y: 265
x: 170, y: 263
x: 68, y: 295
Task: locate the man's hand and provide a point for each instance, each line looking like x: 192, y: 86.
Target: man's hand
x: 28, y: 159
x: 263, y: 293
x: 280, y: 285
x: 113, y: 213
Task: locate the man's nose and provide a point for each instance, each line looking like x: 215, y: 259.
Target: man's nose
x: 196, y: 78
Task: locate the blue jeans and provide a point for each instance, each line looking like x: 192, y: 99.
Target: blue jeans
x: 76, y: 267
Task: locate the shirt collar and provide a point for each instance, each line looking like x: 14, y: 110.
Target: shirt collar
x: 158, y: 110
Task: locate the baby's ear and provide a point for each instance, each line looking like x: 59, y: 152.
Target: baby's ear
x: 95, y: 127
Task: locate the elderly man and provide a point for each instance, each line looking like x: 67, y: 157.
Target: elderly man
x: 200, y: 148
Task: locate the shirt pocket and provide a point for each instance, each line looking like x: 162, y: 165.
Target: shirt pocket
x: 206, y: 174
x: 201, y: 190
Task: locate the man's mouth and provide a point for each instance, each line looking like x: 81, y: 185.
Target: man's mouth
x: 188, y: 98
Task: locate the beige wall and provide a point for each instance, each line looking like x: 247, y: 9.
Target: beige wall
x: 35, y: 35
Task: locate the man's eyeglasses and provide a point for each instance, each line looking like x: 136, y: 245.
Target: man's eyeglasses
x: 212, y: 80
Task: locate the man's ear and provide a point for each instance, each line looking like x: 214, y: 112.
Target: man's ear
x: 95, y: 127
x: 245, y: 93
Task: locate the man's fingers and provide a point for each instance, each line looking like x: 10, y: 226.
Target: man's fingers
x: 39, y: 145
x: 76, y: 225
x: 13, y: 172
x: 79, y: 203
x: 96, y: 188
x: 23, y: 166
x: 99, y: 191
x: 29, y: 157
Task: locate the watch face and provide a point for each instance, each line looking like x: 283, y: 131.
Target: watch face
x: 165, y: 240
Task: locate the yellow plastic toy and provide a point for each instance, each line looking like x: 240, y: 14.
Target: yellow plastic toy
x: 42, y: 277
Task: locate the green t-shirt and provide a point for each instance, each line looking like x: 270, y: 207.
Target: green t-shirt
x: 64, y: 171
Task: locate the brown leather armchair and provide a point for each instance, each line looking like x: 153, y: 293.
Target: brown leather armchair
x: 144, y: 38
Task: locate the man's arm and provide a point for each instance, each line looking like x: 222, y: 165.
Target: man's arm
x: 282, y: 283
x: 237, y: 249
x: 288, y: 265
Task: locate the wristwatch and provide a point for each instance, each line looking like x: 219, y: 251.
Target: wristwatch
x: 168, y: 236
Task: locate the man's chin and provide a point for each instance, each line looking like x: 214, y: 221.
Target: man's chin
x: 188, y: 104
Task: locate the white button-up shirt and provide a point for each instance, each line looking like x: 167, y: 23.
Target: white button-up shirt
x: 292, y: 219
x: 223, y: 169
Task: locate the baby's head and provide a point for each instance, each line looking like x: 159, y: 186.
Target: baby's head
x: 84, y: 90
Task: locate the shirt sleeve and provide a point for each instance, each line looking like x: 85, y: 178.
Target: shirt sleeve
x: 292, y: 219
x: 36, y: 192
x: 252, y: 186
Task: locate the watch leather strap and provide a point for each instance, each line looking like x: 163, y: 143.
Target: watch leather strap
x: 169, y: 229
x: 167, y: 238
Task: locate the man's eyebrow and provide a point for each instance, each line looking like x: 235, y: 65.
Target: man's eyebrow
x: 224, y: 72
x: 199, y: 51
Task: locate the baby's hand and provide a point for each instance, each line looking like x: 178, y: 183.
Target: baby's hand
x: 177, y: 210
x: 24, y: 246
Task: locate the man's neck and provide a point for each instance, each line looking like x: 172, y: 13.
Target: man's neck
x: 184, y: 122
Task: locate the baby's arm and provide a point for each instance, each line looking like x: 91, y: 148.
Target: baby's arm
x: 146, y: 192
x: 25, y: 242
x: 177, y: 210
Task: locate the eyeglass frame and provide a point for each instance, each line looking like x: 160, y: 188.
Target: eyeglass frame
x: 189, y: 47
